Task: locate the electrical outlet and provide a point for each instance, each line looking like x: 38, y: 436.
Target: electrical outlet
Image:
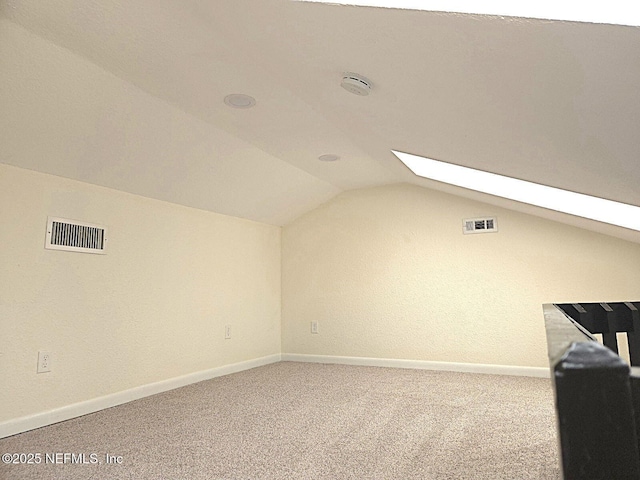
x: 44, y: 362
x: 314, y: 327
x: 227, y: 332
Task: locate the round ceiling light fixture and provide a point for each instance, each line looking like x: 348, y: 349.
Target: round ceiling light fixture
x: 328, y: 157
x: 239, y: 100
x: 356, y: 84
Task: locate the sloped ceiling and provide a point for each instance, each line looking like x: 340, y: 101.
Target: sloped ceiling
x: 129, y: 95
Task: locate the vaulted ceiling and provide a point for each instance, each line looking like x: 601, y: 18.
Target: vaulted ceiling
x: 129, y: 95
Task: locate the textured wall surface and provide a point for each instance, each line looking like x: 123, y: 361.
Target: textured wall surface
x: 153, y: 308
x: 388, y: 273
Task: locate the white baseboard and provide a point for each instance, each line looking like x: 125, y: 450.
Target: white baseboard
x: 422, y: 365
x: 23, y: 424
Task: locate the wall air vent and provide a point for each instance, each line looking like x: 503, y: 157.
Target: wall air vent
x: 73, y: 236
x: 480, y: 225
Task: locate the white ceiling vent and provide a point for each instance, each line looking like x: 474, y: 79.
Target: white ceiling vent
x: 74, y: 236
x: 480, y: 225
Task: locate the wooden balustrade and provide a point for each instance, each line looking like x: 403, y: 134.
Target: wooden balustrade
x: 597, y: 395
x: 608, y: 319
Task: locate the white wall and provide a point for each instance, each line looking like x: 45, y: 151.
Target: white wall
x: 388, y: 273
x: 385, y: 271
x: 152, y: 309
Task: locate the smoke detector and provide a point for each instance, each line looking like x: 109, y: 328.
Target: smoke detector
x: 356, y: 84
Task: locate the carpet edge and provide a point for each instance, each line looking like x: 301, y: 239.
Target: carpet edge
x: 512, y: 370
x: 49, y: 417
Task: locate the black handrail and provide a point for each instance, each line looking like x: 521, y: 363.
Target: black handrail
x: 609, y: 319
x: 594, y: 396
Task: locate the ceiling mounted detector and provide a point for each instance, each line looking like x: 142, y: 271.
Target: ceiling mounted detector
x: 356, y: 84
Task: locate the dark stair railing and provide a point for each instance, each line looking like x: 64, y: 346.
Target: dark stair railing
x: 609, y: 319
x: 597, y: 395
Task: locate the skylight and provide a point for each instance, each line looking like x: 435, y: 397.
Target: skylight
x: 585, y: 206
x: 616, y: 12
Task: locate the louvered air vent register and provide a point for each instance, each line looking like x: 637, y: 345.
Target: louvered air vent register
x: 74, y: 236
x: 480, y: 225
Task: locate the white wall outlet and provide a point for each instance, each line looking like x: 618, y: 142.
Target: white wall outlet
x: 314, y: 327
x: 227, y: 332
x: 44, y: 362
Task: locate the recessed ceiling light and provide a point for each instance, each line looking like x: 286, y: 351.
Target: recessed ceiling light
x: 239, y: 100
x: 328, y: 157
x: 616, y: 12
x: 586, y: 206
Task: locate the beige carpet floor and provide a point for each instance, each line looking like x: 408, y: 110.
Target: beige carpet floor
x: 311, y: 421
